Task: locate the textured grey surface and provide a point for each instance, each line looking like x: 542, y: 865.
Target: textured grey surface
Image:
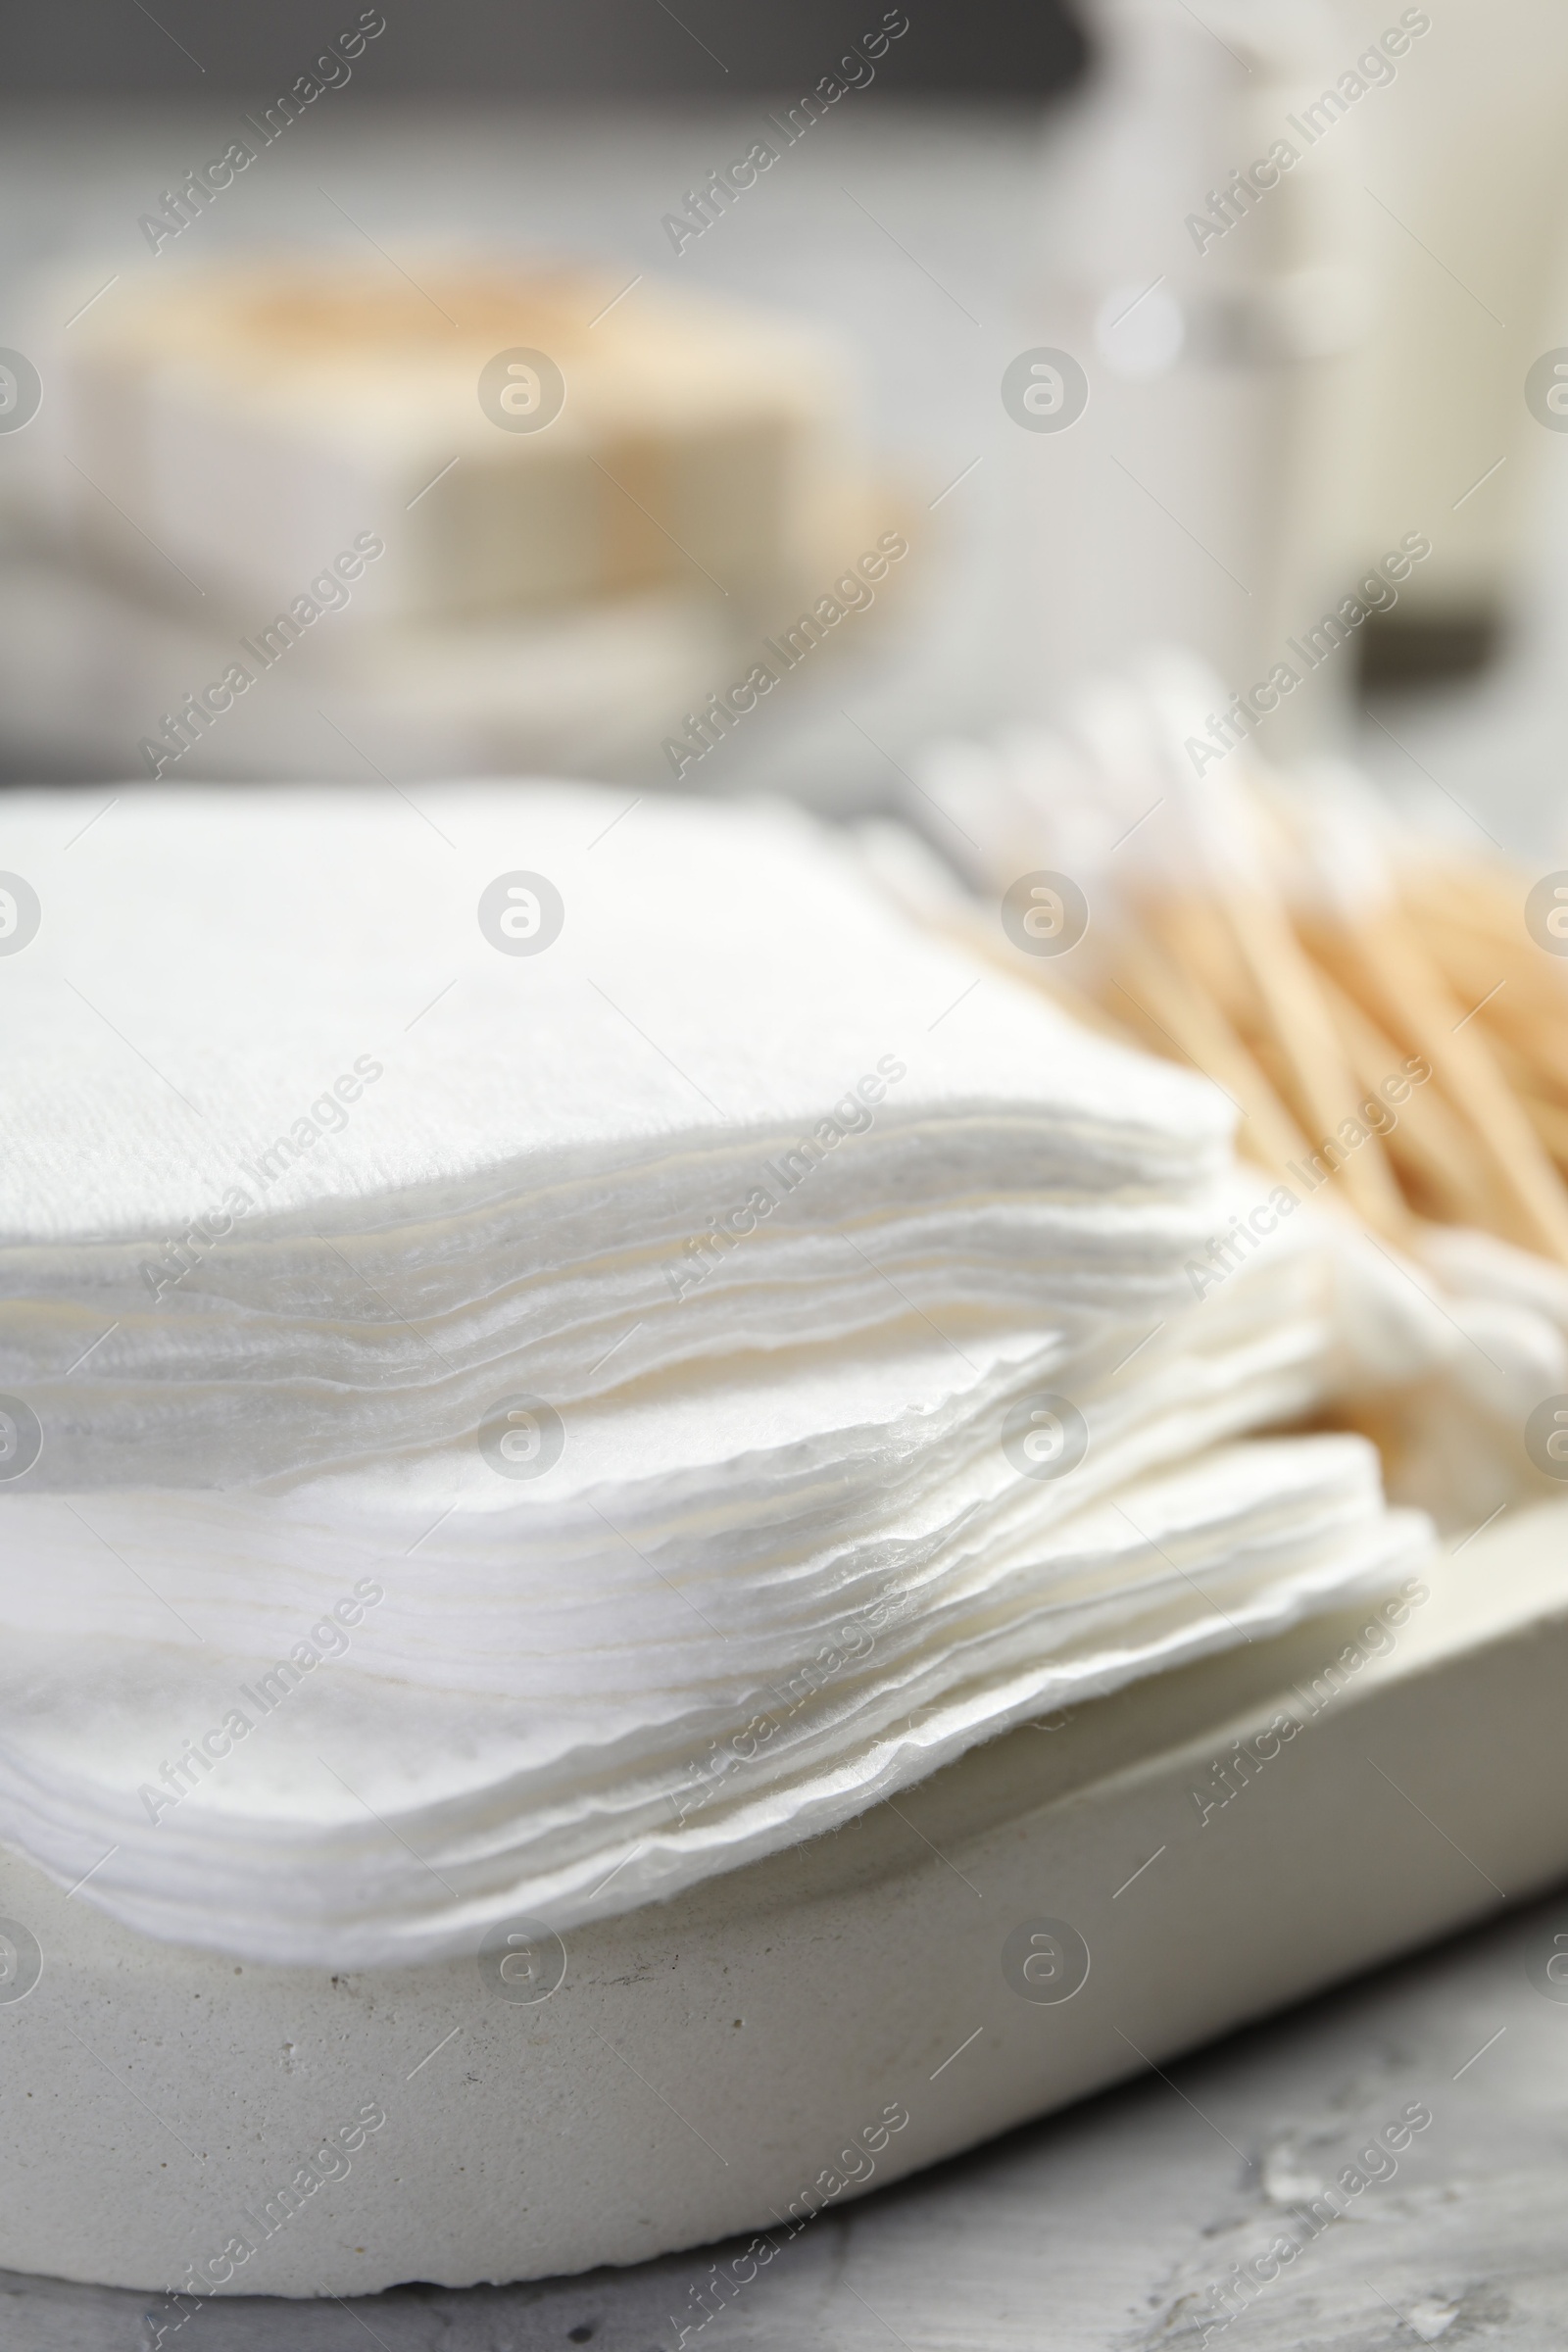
x: 1109, y: 2225
x: 1105, y: 2227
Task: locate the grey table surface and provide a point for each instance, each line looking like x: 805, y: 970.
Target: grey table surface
x: 1107, y: 2228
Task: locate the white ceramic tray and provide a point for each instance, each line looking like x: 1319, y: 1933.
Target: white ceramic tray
x: 1208, y: 1847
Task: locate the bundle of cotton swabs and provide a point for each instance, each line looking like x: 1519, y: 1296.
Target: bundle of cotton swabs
x: 1391, y: 1036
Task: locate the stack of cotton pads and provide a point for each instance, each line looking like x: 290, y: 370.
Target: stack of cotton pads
x: 551, y: 1347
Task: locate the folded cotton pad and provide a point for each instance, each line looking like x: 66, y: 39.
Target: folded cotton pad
x: 557, y: 1346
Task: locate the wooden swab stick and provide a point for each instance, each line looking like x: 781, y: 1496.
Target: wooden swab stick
x: 1303, y: 1029
x: 1181, y: 1022
x: 1530, y: 1012
x: 1477, y: 898
x: 1475, y: 958
x: 1383, y: 963
x: 1206, y: 953
x: 1429, y: 1142
x: 1526, y: 1072
x: 1550, y: 1122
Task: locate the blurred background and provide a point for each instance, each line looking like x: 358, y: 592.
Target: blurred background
x: 417, y: 392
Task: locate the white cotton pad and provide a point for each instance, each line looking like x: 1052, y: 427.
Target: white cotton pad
x: 281, y: 1110
x: 553, y: 1346
x: 360, y: 1817
x: 1105, y: 1886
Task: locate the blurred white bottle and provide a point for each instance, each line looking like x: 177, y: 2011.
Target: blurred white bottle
x: 1461, y: 174
x: 1199, y: 260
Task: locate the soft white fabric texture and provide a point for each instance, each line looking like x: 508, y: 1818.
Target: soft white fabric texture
x: 775, y: 1215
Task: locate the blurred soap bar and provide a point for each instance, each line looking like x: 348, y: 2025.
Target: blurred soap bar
x: 517, y: 438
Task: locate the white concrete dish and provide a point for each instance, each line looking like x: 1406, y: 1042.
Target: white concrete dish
x: 812, y: 2024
